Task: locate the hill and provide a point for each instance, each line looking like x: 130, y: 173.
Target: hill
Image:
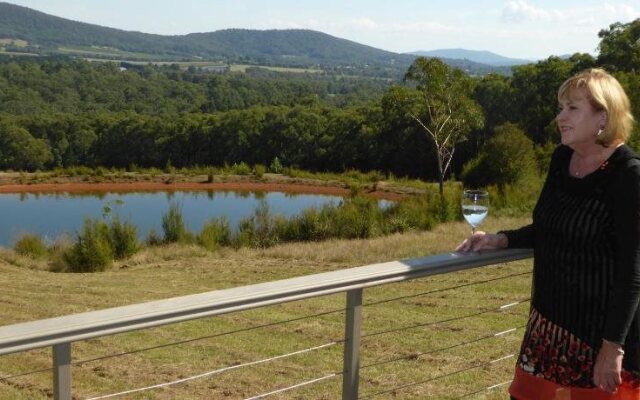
x: 478, y: 56
x: 288, y: 47
x: 25, y: 30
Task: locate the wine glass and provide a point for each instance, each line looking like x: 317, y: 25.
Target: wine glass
x: 475, y: 207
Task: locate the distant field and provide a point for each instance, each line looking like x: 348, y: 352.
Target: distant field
x: 143, y: 58
x: 196, y: 64
x: 107, y: 52
x: 406, y: 357
x: 243, y: 68
x: 14, y: 42
x: 15, y: 53
x: 17, y: 43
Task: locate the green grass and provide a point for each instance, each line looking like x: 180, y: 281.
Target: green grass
x: 175, y: 270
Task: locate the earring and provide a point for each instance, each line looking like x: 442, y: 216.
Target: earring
x: 600, y: 132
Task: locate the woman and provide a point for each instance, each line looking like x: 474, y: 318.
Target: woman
x: 583, y: 336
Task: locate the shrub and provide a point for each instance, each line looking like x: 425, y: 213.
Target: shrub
x: 79, y: 170
x: 308, y: 226
x: 123, y: 238
x: 57, y: 252
x: 215, y: 233
x: 259, y: 170
x: 355, y: 189
x: 410, y: 213
x: 241, y: 169
x: 358, y: 217
x: 276, y: 166
x: 515, y: 200
x: 30, y: 245
x: 101, y: 171
x: 259, y: 230
x: 173, y: 225
x: 505, y: 159
x: 169, y: 168
x: 92, y: 250
x: 153, y: 238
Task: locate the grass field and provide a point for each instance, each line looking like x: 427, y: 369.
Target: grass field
x: 243, y: 68
x: 14, y: 42
x: 108, y: 52
x: 165, y: 272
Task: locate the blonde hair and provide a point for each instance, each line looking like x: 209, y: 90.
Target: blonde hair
x: 605, y: 94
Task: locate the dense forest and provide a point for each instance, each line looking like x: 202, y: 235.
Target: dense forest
x: 57, y: 112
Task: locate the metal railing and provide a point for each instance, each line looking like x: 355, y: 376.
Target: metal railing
x: 61, y: 332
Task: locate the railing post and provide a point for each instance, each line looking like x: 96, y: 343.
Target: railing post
x: 62, y: 371
x: 351, y: 366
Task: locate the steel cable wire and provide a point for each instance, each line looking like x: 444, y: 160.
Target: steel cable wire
x: 37, y: 371
x: 447, y: 288
x: 464, y: 396
x: 460, y: 344
x: 214, y: 372
x: 445, y: 320
x: 85, y: 361
x: 125, y: 353
x: 80, y: 362
x: 297, y: 385
x: 437, y: 377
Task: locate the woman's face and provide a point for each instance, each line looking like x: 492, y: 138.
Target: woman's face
x: 578, y: 121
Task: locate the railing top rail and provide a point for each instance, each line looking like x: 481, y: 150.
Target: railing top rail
x: 47, y: 332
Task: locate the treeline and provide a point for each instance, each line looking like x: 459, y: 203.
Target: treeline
x: 66, y: 114
x: 29, y: 87
x: 310, y: 137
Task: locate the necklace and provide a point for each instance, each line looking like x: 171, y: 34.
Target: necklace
x: 599, y: 162
x: 578, y: 167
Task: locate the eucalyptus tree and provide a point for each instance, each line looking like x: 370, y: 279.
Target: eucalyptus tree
x: 20, y: 151
x: 446, y: 110
x: 620, y: 47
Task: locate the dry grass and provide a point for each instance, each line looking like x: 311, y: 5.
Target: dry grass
x: 157, y: 273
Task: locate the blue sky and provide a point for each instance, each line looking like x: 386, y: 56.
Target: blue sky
x: 514, y: 28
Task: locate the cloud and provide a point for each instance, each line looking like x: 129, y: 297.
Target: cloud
x: 521, y: 10
x: 364, y: 23
x: 599, y: 15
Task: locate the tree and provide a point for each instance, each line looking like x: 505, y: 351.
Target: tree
x: 620, y: 47
x: 505, y: 159
x: 447, y: 111
x: 536, y: 89
x: 21, y: 151
x: 403, y: 148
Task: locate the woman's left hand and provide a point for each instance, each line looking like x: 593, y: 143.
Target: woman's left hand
x: 606, y: 371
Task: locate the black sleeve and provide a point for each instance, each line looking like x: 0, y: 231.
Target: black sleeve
x: 524, y: 238
x: 521, y: 238
x: 624, y: 299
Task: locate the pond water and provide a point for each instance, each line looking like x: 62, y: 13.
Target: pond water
x: 50, y: 215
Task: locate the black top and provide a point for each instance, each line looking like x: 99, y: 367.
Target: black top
x: 586, y: 240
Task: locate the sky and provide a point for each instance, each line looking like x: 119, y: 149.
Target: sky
x: 527, y: 29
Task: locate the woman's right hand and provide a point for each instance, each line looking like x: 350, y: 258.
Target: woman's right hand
x: 484, y: 241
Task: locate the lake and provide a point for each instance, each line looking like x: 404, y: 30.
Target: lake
x: 50, y: 215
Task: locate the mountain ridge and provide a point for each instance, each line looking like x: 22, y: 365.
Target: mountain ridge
x: 47, y: 34
x: 480, y: 56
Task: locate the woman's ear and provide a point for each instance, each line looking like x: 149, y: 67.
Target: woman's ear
x: 603, y: 119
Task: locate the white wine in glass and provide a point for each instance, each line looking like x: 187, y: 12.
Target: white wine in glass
x: 475, y: 207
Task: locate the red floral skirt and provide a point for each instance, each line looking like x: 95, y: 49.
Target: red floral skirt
x: 554, y: 364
